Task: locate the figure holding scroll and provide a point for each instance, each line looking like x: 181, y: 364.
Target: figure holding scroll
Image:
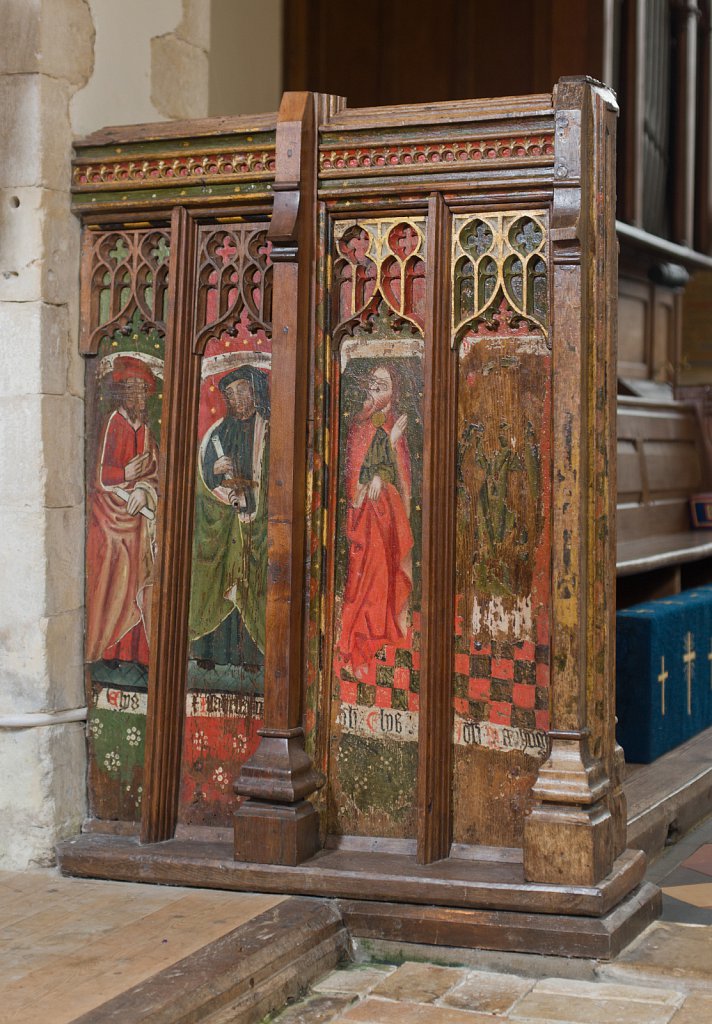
x: 378, y: 492
x: 228, y: 588
x: 121, y: 528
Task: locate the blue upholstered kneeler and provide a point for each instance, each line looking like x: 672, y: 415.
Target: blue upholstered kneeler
x: 657, y: 643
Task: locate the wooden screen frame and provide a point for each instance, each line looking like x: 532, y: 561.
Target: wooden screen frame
x: 578, y: 796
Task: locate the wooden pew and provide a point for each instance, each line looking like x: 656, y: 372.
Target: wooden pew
x: 661, y: 462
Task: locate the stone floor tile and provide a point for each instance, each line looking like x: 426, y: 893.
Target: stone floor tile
x: 357, y: 979
x: 701, y: 860
x: 668, y: 953
x: 319, y: 1009
x: 487, y: 992
x: 384, y: 1011
x: 585, y: 1002
x: 663, y: 994
x: 697, y: 1009
x: 696, y: 895
x: 419, y: 983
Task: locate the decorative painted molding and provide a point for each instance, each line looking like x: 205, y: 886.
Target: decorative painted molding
x: 334, y: 161
x: 161, y: 171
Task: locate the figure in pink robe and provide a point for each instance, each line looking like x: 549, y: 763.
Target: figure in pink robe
x: 378, y: 490
x: 121, y: 529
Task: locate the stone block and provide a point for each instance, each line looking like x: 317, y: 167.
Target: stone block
x: 179, y: 77
x: 22, y: 553
x: 63, y: 444
x: 76, y: 369
x: 35, y: 348
x: 488, y: 992
x: 67, y: 40
x: 64, y: 652
x: 667, y: 953
x: 67, y: 754
x: 42, y: 801
x: 40, y: 252
x: 65, y: 559
x: 41, y: 666
x: 195, y: 25
x: 22, y: 248
x: 20, y: 38
x: 696, y: 1008
x: 61, y: 249
x: 418, y: 983
x: 357, y: 979
x: 22, y: 469
x: 37, y: 138
x: 383, y: 1011
x: 581, y: 1002
x: 24, y: 681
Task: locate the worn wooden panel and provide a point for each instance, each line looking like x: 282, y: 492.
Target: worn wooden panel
x: 630, y: 479
x: 123, y: 323
x: 633, y: 317
x: 503, y: 578
x: 378, y: 310
x: 672, y: 466
x: 225, y: 671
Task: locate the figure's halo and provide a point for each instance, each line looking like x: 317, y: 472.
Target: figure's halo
x: 226, y: 361
x: 106, y: 364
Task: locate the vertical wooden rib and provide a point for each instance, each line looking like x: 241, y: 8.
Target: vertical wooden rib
x: 685, y: 123
x: 437, y: 612
x: 703, y: 190
x: 630, y: 185
x: 171, y: 590
x: 292, y: 234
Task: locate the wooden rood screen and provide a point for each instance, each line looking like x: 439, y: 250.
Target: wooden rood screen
x: 349, y: 550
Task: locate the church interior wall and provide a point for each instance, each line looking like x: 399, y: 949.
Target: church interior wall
x: 69, y: 67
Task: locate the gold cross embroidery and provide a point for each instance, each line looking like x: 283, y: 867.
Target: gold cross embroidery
x: 662, y: 679
x: 689, y: 660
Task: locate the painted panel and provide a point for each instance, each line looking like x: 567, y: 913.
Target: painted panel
x: 225, y: 692
x: 501, y: 659
x: 127, y: 310
x: 378, y: 309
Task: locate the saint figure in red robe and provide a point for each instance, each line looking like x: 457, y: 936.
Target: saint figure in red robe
x: 121, y: 529
x: 378, y: 490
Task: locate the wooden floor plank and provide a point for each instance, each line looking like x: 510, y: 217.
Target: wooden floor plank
x: 77, y: 943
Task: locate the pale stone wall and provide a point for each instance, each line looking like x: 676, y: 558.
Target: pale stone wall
x: 66, y: 68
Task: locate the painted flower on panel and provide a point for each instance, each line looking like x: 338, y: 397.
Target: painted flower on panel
x: 133, y: 736
x: 112, y: 761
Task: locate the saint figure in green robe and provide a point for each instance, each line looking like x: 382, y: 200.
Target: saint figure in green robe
x: 229, y: 578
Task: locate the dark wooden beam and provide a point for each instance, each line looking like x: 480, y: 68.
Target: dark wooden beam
x: 171, y: 589
x: 439, y: 516
x: 276, y: 824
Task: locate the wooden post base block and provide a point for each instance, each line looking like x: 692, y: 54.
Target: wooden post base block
x: 280, y: 769
x: 276, y: 834
x: 568, y: 845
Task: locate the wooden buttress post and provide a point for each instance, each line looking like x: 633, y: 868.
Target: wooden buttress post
x: 276, y: 824
x: 573, y: 833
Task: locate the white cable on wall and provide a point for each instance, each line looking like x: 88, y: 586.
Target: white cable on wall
x: 34, y: 719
